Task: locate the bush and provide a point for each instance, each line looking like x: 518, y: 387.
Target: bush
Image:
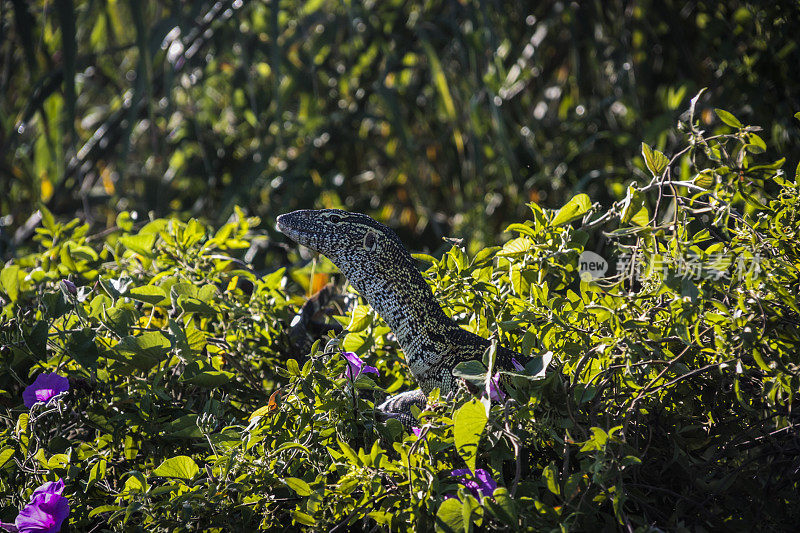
x: 659, y: 396
x: 459, y: 112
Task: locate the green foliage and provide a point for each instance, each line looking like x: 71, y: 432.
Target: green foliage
x: 664, y: 394
x: 458, y: 112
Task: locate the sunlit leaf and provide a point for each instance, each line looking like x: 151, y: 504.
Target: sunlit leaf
x: 728, y: 118
x: 181, y: 466
x: 655, y: 160
x: 576, y: 207
x: 298, y: 485
x: 469, y: 422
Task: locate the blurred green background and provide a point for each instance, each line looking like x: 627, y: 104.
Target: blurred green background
x: 437, y: 117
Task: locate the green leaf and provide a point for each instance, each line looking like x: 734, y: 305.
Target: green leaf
x: 348, y: 452
x: 655, y: 160
x: 755, y: 144
x: 124, y: 221
x: 550, y: 476
x: 58, y: 460
x: 193, y: 299
x: 298, y: 485
x: 576, y: 207
x: 48, y: 220
x: 36, y: 339
x: 515, y: 247
x: 468, y: 425
x: 473, y: 371
x: 597, y: 441
x: 522, y: 229
x: 181, y: 466
x: 142, y: 244
x: 149, y: 294
x: 484, y: 255
x: 105, y: 509
x: 705, y: 179
x: 5, y: 455
x: 303, y: 518
x: 98, y: 471
x: 641, y: 218
x: 632, y: 203
x: 502, y: 506
x: 135, y: 483
x: 360, y: 318
x: 292, y: 367
x: 9, y: 281
x: 184, y: 427
x: 210, y: 379
x: 189, y: 341
x: 143, y: 351
x: 536, y: 368
x: 425, y: 257
x: 728, y: 118
x: 449, y: 517
x: 66, y: 259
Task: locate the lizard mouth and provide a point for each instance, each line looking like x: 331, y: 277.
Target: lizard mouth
x: 291, y: 225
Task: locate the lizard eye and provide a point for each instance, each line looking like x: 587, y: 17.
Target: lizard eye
x: 370, y: 241
x: 335, y: 219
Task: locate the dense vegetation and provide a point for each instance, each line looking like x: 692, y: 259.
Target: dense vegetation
x: 439, y: 117
x: 662, y: 395
x: 147, y: 148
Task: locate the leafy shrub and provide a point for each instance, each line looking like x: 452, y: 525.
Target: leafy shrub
x: 459, y: 111
x: 661, y: 395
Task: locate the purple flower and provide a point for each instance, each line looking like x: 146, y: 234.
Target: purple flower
x: 45, y: 387
x: 45, y: 513
x: 71, y: 288
x: 417, y: 431
x: 496, y: 394
x: 355, y: 366
x: 517, y: 365
x: 481, y: 485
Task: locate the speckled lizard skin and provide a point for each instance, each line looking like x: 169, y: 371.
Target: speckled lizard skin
x: 377, y: 264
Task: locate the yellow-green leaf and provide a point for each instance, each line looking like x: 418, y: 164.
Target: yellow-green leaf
x: 641, y: 218
x: 149, y: 294
x: 303, y: 518
x: 550, y: 475
x: 450, y: 517
x: 515, y: 247
x: 728, y: 118
x: 5, y: 455
x: 360, y: 318
x: 655, y: 160
x: 9, y: 281
x: 576, y: 207
x: 181, y: 466
x: 469, y: 423
x: 298, y: 485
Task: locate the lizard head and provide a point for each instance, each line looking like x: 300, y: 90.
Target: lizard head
x: 349, y: 240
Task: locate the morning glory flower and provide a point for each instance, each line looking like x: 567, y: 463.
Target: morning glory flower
x: 356, y: 366
x: 71, y: 288
x: 44, y: 388
x: 45, y: 512
x: 496, y: 394
x: 417, y: 431
x: 481, y: 485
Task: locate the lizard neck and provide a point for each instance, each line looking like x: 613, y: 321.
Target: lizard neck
x: 405, y: 301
